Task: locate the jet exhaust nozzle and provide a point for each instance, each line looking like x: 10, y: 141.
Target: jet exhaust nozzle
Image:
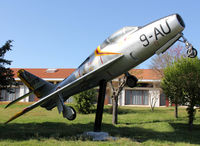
x: 180, y: 20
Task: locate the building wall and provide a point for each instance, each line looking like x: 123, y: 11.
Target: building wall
x: 139, y: 96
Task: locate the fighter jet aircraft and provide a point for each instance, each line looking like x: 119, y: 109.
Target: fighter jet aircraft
x: 120, y: 52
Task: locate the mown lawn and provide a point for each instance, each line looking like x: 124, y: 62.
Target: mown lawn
x: 137, y: 126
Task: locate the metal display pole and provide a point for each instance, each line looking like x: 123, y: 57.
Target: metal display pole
x: 100, y: 105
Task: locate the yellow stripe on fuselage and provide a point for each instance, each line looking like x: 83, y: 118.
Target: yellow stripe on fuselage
x: 98, y: 52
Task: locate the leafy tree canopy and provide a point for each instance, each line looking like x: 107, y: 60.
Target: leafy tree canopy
x: 181, y: 82
x: 6, y: 74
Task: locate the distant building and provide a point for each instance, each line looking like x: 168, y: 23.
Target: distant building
x: 148, y: 88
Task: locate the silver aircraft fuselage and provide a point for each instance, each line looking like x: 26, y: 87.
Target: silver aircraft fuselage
x: 134, y: 44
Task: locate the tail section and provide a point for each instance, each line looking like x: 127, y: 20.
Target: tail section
x: 34, y: 83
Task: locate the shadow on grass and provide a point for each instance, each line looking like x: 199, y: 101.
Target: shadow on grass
x: 73, y: 131
x: 108, y: 110
x: 135, y: 110
x: 154, y: 121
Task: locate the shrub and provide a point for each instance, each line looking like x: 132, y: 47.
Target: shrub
x: 84, y: 101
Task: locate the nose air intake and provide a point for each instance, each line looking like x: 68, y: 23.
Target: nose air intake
x: 180, y: 20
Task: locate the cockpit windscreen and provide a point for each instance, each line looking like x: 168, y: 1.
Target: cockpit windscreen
x: 117, y: 35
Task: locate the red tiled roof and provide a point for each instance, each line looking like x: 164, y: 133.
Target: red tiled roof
x: 145, y: 74
x: 42, y: 72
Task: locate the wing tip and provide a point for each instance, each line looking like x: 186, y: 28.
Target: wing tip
x: 6, y: 106
x: 16, y: 115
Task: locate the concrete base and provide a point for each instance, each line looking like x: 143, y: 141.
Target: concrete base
x: 98, y: 136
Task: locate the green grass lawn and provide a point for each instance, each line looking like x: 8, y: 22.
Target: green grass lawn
x: 137, y: 126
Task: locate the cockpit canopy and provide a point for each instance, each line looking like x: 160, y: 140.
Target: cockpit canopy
x: 117, y: 35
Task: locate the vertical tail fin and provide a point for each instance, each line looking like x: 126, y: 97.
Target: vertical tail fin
x: 34, y: 83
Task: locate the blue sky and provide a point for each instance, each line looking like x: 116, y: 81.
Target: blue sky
x: 61, y: 34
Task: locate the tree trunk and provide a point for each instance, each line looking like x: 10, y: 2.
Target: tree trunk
x: 115, y: 96
x: 115, y: 109
x: 176, y: 110
x: 191, y: 113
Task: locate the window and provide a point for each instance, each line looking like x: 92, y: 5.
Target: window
x: 32, y: 98
x: 162, y: 99
x: 2, y: 96
x: 136, y: 97
x: 6, y: 96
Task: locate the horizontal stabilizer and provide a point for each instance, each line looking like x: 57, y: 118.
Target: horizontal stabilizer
x: 18, y: 99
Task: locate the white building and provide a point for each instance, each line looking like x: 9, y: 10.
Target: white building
x: 146, y: 93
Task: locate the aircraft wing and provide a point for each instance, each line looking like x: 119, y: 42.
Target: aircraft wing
x: 68, y: 87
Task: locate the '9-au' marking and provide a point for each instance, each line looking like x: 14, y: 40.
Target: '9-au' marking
x: 158, y: 32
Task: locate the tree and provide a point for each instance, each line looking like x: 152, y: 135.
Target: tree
x: 84, y: 101
x: 171, y: 88
x: 182, y: 80
x: 6, y: 74
x: 115, y: 95
x: 160, y: 62
x: 116, y: 90
x: 154, y: 99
